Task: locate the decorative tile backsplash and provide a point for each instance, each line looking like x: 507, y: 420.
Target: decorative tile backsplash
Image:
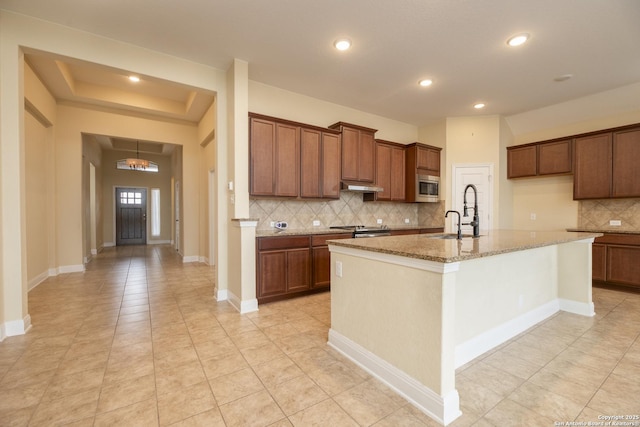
x: 350, y: 209
x: 596, y: 214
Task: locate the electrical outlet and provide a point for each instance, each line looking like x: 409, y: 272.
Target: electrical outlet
x: 316, y: 223
x: 272, y: 224
x: 615, y: 222
x: 406, y: 221
x: 532, y: 217
x: 339, y: 268
x: 378, y: 221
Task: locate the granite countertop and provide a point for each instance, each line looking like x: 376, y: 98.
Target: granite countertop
x: 494, y: 242
x: 615, y: 230
x: 300, y: 231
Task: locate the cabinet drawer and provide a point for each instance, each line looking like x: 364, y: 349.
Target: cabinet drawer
x: 619, y: 239
x: 284, y: 242
x: 321, y: 239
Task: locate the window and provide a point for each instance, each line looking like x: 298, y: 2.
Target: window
x: 155, y: 212
x: 131, y: 198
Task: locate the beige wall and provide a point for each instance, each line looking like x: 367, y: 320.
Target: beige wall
x: 276, y: 102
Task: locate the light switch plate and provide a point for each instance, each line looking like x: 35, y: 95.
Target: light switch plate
x: 316, y: 223
x: 615, y: 222
x: 379, y: 221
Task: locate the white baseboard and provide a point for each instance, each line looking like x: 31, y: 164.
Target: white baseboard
x: 158, y: 242
x: 484, y: 342
x: 37, y: 280
x: 243, y: 307
x: 70, y: 269
x: 94, y: 252
x: 221, y: 294
x: 190, y: 258
x: 443, y: 409
x: 108, y: 244
x: 15, y: 327
x: 575, y: 307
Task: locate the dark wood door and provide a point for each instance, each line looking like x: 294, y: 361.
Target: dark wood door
x: 598, y: 261
x: 555, y: 157
x: 350, y: 153
x: 522, y: 161
x: 366, y: 157
x: 592, y: 167
x: 262, y: 146
x: 131, y: 216
x: 310, y: 159
x: 626, y: 172
x: 383, y: 171
x: 331, y: 165
x: 397, y: 174
x: 623, y: 265
x: 287, y: 160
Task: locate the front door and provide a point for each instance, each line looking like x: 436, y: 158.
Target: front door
x: 131, y: 216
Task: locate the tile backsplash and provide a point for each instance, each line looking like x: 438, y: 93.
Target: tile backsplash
x: 596, y: 214
x: 350, y: 209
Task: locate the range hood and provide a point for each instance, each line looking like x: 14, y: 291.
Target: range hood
x: 360, y: 187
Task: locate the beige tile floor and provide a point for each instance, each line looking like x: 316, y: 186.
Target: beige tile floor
x: 138, y: 340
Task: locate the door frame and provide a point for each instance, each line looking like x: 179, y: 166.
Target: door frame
x: 115, y: 212
x: 456, y: 197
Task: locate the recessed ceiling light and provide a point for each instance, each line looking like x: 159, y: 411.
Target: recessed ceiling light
x: 563, y: 78
x: 342, y: 44
x: 425, y: 82
x: 134, y: 79
x: 518, y: 40
x: 478, y: 106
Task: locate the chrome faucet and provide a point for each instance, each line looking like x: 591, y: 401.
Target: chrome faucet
x: 459, y: 231
x: 475, y: 223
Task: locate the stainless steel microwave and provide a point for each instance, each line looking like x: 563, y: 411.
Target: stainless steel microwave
x: 427, y: 188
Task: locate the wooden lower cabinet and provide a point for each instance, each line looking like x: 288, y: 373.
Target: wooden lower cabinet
x: 290, y: 266
x: 616, y: 261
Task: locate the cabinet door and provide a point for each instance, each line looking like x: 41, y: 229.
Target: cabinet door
x: 287, y: 156
x: 331, y: 165
x: 350, y: 149
x: 262, y: 162
x: 626, y: 164
x: 321, y: 267
x: 598, y: 261
x: 522, y: 161
x: 592, y: 167
x: 383, y: 171
x: 555, y: 158
x: 310, y: 161
x: 623, y: 265
x: 272, y: 279
x: 298, y: 269
x: 397, y: 174
x: 429, y: 160
x: 366, y: 157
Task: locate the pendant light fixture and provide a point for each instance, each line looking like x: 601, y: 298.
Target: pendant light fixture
x: 137, y: 164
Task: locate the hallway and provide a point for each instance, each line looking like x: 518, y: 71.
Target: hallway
x: 139, y: 340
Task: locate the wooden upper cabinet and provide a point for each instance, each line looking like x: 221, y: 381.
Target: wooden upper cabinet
x: 320, y: 164
x: 358, y: 152
x: 390, y: 171
x: 287, y: 160
x: 274, y: 157
x: 331, y: 165
x: 555, y: 158
x: 592, y: 167
x: 262, y: 147
x: 626, y: 166
x: 428, y: 160
x: 522, y: 161
x: 539, y: 159
x: 311, y: 162
x: 290, y: 159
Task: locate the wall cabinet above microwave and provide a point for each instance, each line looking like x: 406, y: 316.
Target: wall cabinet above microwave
x: 421, y: 160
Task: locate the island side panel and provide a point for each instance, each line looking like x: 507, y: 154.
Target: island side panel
x: 574, y: 277
x: 396, y: 313
x: 494, y: 290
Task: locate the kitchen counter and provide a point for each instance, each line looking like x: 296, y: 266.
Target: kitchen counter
x: 411, y: 309
x: 326, y: 230
x: 427, y: 247
x: 613, y: 230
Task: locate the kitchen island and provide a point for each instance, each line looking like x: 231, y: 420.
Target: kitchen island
x: 412, y: 309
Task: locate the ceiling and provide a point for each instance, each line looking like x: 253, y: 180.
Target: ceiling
x: 459, y: 44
